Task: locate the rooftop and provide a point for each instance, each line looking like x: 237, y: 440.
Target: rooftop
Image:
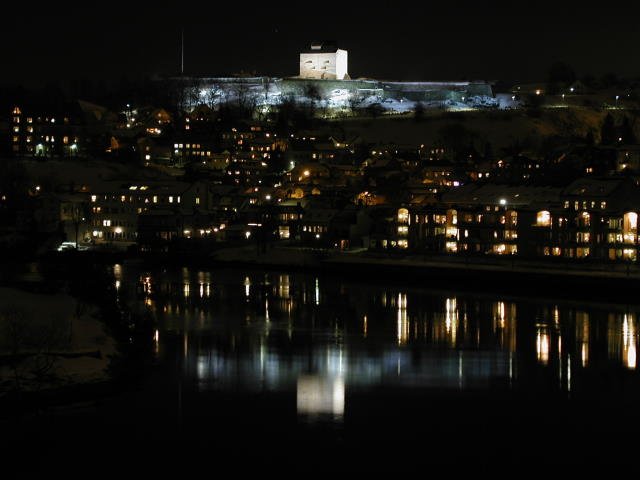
x: 326, y: 46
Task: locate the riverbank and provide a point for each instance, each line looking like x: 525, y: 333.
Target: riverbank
x: 508, y: 274
x: 50, y: 341
x: 495, y: 274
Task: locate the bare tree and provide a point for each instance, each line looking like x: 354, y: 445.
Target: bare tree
x: 28, y: 345
x: 266, y: 85
x: 355, y: 102
x: 245, y: 101
x: 213, y: 94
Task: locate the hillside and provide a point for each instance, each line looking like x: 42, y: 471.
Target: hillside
x: 501, y: 128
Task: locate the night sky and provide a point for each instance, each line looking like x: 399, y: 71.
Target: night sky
x: 515, y: 41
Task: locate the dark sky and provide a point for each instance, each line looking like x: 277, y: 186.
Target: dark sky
x: 389, y: 40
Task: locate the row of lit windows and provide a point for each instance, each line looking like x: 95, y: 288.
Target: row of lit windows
x: 585, y: 204
x: 131, y: 199
x: 314, y: 228
x: 111, y: 223
x: 187, y: 145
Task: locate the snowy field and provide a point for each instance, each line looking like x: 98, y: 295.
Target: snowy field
x: 49, y: 341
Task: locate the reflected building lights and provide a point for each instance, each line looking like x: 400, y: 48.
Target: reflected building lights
x: 485, y: 348
x: 403, y: 323
x: 156, y: 341
x: 559, y: 345
x: 317, y: 395
x: 504, y: 325
x: 629, y: 342
x: 510, y: 366
x: 499, y: 315
x: 582, y: 336
x: 542, y: 345
x: 451, y: 319
x: 283, y: 286
x: 117, y: 274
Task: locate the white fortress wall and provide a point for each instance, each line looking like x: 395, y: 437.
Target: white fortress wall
x: 342, y: 62
x: 318, y: 65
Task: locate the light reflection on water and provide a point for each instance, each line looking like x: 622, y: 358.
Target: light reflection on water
x: 322, y: 337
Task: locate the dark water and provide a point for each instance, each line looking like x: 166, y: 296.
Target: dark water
x: 319, y: 337
x: 298, y: 366
x: 284, y: 372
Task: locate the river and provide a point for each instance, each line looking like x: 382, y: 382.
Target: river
x: 303, y: 372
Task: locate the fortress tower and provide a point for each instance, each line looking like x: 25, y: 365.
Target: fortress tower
x: 324, y: 60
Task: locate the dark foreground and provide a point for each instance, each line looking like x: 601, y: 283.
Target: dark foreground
x: 290, y: 373
x: 395, y: 431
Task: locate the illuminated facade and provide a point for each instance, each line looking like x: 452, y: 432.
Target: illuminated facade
x: 591, y: 218
x: 123, y: 213
x: 324, y: 61
x: 45, y: 135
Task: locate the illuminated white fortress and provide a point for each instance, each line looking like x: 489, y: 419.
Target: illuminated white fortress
x: 324, y: 69
x: 324, y: 61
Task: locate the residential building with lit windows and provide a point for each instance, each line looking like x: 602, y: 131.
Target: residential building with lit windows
x: 115, y: 209
x: 63, y: 132
x: 592, y: 218
x: 598, y: 219
x: 474, y: 219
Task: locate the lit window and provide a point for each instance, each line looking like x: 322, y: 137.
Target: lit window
x: 543, y: 219
x: 403, y: 215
